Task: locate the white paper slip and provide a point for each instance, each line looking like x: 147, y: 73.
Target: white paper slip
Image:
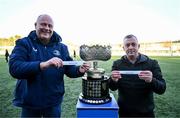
x: 132, y: 72
x: 77, y: 63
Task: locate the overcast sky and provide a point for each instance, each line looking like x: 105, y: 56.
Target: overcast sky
x: 95, y: 21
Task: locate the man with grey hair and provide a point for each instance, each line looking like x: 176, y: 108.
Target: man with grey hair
x: 37, y: 64
x: 136, y: 77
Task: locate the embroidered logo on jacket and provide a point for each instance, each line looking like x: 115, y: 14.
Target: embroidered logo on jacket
x: 56, y: 52
x: 35, y: 50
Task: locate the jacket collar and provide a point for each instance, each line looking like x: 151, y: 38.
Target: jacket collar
x: 55, y: 37
x: 141, y: 58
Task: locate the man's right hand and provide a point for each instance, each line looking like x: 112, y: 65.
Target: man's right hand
x: 56, y: 62
x: 115, y: 75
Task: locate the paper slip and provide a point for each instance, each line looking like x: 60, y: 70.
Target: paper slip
x: 77, y: 63
x: 132, y: 72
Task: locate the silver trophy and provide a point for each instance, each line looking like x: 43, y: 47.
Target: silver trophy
x: 95, y: 88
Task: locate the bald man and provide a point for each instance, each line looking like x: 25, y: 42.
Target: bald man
x: 37, y: 64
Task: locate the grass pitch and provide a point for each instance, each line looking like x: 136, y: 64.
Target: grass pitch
x: 167, y: 105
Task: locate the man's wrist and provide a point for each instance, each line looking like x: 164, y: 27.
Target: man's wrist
x: 114, y: 79
x: 42, y: 65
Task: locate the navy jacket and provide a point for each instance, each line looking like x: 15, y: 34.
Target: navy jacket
x: 37, y: 88
x: 135, y: 95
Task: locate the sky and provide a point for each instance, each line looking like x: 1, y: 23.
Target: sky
x: 95, y: 21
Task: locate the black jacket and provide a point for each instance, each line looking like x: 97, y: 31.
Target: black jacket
x: 135, y: 95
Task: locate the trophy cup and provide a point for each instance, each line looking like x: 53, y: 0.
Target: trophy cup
x: 95, y: 89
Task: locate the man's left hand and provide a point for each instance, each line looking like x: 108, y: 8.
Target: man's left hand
x: 85, y: 67
x: 146, y: 76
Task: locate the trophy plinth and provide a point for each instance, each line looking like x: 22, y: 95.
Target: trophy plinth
x: 95, y: 89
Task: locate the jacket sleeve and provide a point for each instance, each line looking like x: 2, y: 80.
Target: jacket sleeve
x: 20, y: 66
x: 158, y: 84
x: 71, y: 71
x: 112, y: 84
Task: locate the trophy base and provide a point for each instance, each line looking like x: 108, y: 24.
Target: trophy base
x: 94, y: 100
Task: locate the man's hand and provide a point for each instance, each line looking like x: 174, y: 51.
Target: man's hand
x: 146, y: 76
x: 85, y: 67
x: 115, y: 75
x: 56, y: 62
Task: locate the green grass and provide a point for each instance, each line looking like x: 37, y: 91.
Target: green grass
x: 167, y: 105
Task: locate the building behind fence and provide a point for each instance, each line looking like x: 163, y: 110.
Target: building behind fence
x: 167, y: 48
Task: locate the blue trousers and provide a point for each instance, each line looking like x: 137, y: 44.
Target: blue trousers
x: 46, y: 112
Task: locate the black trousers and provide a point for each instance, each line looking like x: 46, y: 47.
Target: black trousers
x: 135, y: 114
x: 6, y: 59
